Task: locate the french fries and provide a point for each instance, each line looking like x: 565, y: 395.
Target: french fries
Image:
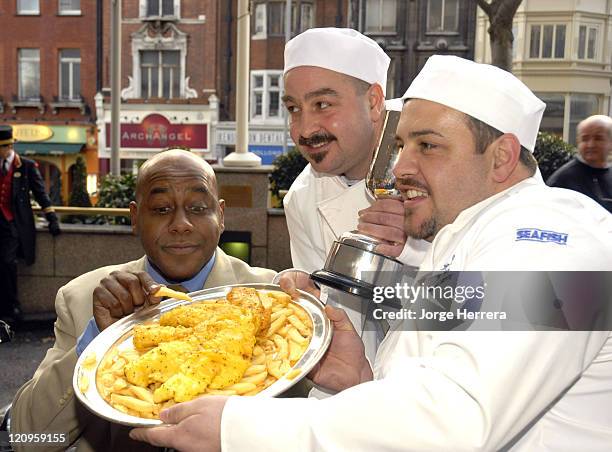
x: 275, y: 352
x: 166, y: 292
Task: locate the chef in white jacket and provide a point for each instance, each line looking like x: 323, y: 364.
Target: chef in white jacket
x: 334, y: 83
x: 466, y: 171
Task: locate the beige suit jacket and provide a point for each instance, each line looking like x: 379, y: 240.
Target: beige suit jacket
x: 47, y: 404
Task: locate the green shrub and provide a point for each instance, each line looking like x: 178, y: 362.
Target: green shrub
x: 117, y: 191
x: 552, y: 153
x: 286, y: 168
x: 78, y: 194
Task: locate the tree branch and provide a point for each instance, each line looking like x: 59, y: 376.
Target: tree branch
x: 486, y: 7
x: 508, y: 8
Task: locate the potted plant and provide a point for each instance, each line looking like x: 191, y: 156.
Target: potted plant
x: 286, y: 168
x: 117, y: 191
x: 552, y: 153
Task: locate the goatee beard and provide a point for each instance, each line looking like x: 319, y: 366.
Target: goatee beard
x: 318, y: 157
x: 425, y: 230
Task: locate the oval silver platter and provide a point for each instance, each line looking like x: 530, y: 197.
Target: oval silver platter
x: 119, y: 335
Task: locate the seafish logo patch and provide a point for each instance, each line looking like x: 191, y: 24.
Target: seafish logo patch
x: 539, y: 235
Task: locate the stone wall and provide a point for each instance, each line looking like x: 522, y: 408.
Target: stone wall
x: 77, y: 250
x: 279, y: 254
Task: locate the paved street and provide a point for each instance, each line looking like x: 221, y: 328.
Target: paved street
x: 20, y: 358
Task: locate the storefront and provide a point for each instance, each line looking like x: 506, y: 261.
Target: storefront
x: 146, y: 130
x: 56, y: 148
x: 265, y: 141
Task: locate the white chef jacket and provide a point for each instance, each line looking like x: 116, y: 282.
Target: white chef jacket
x: 468, y: 390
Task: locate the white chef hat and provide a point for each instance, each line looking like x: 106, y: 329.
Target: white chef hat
x: 485, y: 92
x: 396, y: 104
x: 343, y: 50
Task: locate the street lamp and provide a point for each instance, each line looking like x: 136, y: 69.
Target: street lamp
x: 241, y: 156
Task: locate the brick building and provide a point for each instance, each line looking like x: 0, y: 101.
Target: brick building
x: 179, y: 70
x: 563, y: 52
x: 169, y: 79
x: 412, y: 31
x: 266, y: 114
x: 45, y: 48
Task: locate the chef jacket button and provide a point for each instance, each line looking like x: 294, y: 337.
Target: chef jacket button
x: 62, y: 401
x: 69, y: 391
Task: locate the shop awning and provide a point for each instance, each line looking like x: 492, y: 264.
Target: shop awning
x: 48, y: 148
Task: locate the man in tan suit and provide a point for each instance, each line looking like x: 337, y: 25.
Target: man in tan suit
x: 179, y: 218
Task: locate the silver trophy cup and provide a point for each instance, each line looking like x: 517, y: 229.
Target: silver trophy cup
x: 352, y: 264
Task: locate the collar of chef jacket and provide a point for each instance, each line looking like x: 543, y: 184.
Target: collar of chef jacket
x: 448, y: 233
x: 339, y: 212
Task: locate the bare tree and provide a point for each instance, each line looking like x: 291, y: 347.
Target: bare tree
x: 501, y: 14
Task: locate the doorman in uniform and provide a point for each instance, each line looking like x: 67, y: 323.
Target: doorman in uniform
x: 18, y: 177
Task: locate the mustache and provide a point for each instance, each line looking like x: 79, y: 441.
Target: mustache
x: 409, y: 182
x: 315, y: 139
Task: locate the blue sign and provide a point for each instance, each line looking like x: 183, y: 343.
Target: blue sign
x: 267, y: 152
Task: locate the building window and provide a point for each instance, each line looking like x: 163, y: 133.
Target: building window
x: 69, y: 7
x: 547, y: 41
x: 564, y: 111
x: 160, y: 74
x: 270, y: 18
x: 28, y: 7
x: 266, y: 87
x: 380, y: 16
x: 29, y: 74
x: 587, y: 42
x: 70, y: 74
x: 260, y: 20
x: 442, y: 16
x: 306, y: 17
x: 160, y: 8
x: 552, y: 120
x: 581, y: 106
x: 276, y: 19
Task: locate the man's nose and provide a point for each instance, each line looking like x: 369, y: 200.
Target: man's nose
x: 406, y: 164
x: 309, y: 124
x: 180, y: 222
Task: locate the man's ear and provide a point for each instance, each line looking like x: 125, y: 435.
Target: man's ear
x: 506, y: 151
x: 376, y: 101
x: 221, y: 215
x: 134, y: 216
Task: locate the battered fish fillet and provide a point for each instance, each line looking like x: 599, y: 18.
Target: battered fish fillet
x: 249, y: 298
x: 192, y: 314
x: 159, y: 364
x: 199, y: 345
x: 221, y: 363
x: 147, y: 336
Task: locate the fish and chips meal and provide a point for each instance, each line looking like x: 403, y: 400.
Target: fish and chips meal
x: 237, y: 345
x: 164, y: 291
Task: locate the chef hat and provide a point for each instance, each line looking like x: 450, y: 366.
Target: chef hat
x: 396, y: 104
x: 485, y: 92
x: 343, y: 50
